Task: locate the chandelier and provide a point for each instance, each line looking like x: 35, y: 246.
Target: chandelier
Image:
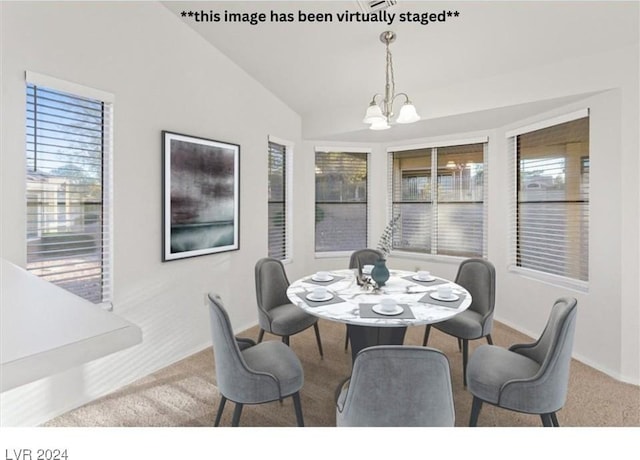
x: 380, y: 111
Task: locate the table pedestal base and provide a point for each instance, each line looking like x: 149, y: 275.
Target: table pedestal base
x: 368, y: 336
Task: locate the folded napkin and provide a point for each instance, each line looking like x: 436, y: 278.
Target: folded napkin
x: 367, y: 312
x: 440, y: 303
x: 434, y: 282
x: 335, y: 279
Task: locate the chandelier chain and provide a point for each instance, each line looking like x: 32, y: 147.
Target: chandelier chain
x: 390, y: 85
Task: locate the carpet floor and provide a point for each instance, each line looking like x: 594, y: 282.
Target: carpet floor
x: 185, y: 393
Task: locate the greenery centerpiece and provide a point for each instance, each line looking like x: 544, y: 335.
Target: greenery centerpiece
x: 385, y: 245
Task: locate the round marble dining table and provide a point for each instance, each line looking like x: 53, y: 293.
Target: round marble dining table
x: 359, y: 306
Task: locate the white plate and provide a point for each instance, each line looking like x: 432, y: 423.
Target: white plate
x: 437, y: 296
x: 322, y: 280
x: 327, y: 296
x: 396, y: 311
x: 431, y: 278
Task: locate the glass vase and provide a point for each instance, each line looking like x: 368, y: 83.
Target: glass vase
x: 380, y: 272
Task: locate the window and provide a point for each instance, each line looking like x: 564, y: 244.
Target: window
x: 341, y: 201
x: 279, y: 221
x: 67, y: 189
x: 552, y: 198
x: 439, y: 195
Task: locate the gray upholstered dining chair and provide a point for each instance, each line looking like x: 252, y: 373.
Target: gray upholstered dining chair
x: 276, y: 314
x: 478, y: 276
x: 363, y: 257
x: 531, y: 378
x: 396, y: 385
x: 359, y: 259
x: 247, y: 373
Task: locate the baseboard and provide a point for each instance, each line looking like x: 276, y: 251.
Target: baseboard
x: 83, y: 401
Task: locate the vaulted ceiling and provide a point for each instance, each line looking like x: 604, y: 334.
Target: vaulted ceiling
x: 320, y: 66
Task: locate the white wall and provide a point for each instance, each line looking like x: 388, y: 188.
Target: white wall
x: 164, y: 77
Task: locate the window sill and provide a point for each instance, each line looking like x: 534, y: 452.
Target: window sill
x: 332, y: 255
x: 46, y: 329
x: 552, y: 280
x: 453, y: 260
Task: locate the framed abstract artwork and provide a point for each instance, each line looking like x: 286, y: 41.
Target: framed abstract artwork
x: 201, y: 213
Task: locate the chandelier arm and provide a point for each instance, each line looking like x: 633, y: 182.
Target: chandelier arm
x: 373, y: 99
x: 390, y: 103
x: 406, y: 98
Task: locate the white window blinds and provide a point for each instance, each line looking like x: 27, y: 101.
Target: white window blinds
x: 552, y: 199
x: 68, y: 221
x: 341, y: 201
x: 278, y: 236
x: 439, y: 195
x: 412, y: 200
x: 461, y: 190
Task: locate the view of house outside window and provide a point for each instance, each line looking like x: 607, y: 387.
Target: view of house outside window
x: 439, y: 195
x: 67, y: 224
x: 552, y: 220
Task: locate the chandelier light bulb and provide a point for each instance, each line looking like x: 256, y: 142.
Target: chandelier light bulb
x: 408, y: 114
x: 374, y: 113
